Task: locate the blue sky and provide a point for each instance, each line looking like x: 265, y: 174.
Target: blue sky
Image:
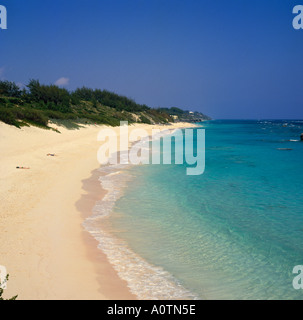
x: 228, y: 59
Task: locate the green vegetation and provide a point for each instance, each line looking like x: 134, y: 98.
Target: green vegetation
x: 1, y: 291
x: 187, y: 116
x: 38, y: 104
x: 173, y: 111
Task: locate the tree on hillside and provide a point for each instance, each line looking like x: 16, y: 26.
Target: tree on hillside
x: 55, y: 98
x: 85, y: 94
x: 10, y: 89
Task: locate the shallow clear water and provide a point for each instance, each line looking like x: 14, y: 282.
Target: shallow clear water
x: 235, y: 232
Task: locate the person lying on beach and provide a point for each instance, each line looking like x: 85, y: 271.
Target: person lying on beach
x: 22, y: 168
x: 51, y: 155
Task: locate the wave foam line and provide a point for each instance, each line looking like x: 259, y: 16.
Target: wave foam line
x: 146, y: 281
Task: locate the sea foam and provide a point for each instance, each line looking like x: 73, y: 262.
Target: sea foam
x: 146, y: 281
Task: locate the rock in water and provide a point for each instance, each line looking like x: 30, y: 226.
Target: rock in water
x: 301, y: 136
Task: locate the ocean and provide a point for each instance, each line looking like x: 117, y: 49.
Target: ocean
x: 234, y: 232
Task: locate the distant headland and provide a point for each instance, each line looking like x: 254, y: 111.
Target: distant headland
x: 37, y: 104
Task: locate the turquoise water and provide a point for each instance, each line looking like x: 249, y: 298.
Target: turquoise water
x: 235, y: 232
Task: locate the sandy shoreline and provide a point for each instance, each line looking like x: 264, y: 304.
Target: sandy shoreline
x: 43, y: 245
x: 112, y: 284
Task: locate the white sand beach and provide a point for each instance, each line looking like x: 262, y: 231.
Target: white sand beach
x: 43, y: 245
